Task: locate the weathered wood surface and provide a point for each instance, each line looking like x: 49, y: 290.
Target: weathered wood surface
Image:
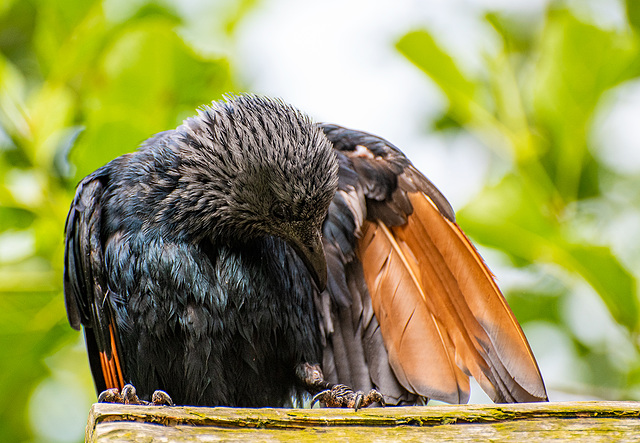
x: 533, y: 422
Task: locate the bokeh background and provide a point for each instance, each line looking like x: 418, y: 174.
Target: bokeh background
x: 525, y: 114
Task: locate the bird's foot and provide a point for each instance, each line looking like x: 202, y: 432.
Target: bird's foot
x: 334, y: 395
x: 341, y: 396
x: 128, y: 396
x: 161, y: 398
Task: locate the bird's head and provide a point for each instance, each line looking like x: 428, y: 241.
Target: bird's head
x: 273, y: 171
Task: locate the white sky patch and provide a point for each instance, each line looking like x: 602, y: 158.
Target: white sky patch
x: 617, y: 129
x: 26, y: 187
x: 16, y: 245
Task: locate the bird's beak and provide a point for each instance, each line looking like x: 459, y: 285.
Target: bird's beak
x: 309, y: 247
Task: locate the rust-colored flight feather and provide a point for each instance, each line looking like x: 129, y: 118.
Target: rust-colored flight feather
x: 418, y: 348
x: 441, y: 313
x: 434, y: 304
x: 110, y: 365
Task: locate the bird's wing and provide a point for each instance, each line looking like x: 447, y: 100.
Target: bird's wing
x: 403, y: 274
x: 85, y: 287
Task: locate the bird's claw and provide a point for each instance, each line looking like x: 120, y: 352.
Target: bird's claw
x: 161, y: 398
x: 112, y: 395
x: 128, y: 396
x: 341, y: 396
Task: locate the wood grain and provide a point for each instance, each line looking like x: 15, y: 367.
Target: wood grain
x: 531, y: 422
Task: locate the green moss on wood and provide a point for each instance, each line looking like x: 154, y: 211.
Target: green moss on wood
x: 571, y: 420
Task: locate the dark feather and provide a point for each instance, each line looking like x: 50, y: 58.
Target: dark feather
x: 175, y: 265
x: 85, y: 288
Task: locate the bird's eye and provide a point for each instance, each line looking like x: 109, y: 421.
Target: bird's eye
x: 280, y: 211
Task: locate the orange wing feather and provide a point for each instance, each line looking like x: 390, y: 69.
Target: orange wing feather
x: 441, y: 314
x: 111, y: 369
x: 417, y: 346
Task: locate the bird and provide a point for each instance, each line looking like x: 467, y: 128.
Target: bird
x: 253, y: 257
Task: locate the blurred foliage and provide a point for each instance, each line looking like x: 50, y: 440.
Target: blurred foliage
x: 534, y: 104
x: 75, y: 84
x: 84, y: 81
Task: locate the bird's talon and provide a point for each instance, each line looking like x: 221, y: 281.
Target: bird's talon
x: 128, y: 396
x: 358, y: 400
x: 161, y: 398
x: 320, y: 396
x: 110, y: 396
x: 341, y: 396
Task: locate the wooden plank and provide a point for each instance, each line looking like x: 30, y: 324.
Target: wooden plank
x: 595, y: 421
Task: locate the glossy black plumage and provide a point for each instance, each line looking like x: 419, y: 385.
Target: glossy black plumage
x: 193, y: 263
x: 211, y: 317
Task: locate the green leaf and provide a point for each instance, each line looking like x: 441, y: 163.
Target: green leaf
x: 422, y: 50
x: 578, y: 62
x: 147, y: 81
x: 633, y: 13
x: 534, y: 304
x: 67, y: 36
x: 15, y: 218
x: 12, y: 107
x: 516, y: 31
x: 509, y: 218
x: 604, y: 272
x: 51, y: 111
x: 17, y: 22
